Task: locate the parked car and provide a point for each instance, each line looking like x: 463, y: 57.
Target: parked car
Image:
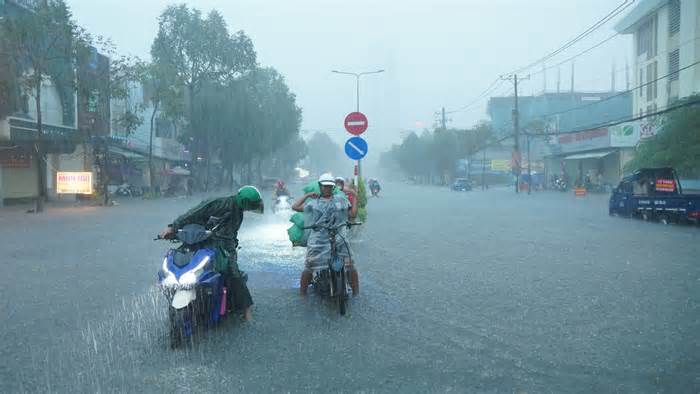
x: 461, y: 185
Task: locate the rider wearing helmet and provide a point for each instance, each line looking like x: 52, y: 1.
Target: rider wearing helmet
x: 349, y: 193
x: 328, y: 209
x: 281, y: 189
x: 225, y: 239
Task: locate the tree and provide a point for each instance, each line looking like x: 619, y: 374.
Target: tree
x: 324, y: 154
x: 199, y: 51
x: 166, y: 98
x: 677, y: 145
x: 43, y: 43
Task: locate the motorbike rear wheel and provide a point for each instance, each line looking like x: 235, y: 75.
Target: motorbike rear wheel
x: 342, y: 292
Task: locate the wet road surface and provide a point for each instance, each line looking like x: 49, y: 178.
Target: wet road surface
x: 467, y: 292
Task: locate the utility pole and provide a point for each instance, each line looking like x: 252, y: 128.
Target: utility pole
x: 573, y: 72
x: 444, y: 120
x: 516, y: 130
x: 529, y: 172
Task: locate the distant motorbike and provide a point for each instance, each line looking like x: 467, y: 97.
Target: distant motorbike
x: 561, y: 185
x: 374, y: 189
x: 195, y: 291
x: 282, y: 204
x: 126, y: 190
x: 332, y: 281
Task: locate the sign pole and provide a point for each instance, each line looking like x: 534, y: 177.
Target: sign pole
x: 359, y: 162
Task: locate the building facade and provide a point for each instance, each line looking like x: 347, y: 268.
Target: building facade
x: 666, y: 46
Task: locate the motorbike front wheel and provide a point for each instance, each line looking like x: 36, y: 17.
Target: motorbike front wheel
x: 180, y: 326
x: 341, y: 292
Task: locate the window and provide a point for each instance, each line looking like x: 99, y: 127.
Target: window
x: 641, y: 82
x: 673, y: 65
x: 674, y: 17
x: 651, y: 81
x: 646, y: 38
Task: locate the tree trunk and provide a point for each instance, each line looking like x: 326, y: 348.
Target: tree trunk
x: 151, y: 180
x: 39, y: 151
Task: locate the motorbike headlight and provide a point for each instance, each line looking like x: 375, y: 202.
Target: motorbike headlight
x: 190, y: 277
x: 169, y: 279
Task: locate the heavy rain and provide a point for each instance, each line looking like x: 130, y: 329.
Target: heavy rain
x: 326, y: 196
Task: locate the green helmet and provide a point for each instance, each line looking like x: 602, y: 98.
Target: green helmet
x: 249, y: 198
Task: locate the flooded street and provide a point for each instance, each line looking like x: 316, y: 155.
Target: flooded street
x: 478, y: 291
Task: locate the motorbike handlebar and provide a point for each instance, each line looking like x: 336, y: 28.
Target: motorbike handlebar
x: 317, y: 227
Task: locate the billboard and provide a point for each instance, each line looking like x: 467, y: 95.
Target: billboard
x: 500, y: 165
x: 74, y: 182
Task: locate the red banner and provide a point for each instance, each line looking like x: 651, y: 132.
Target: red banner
x: 665, y: 185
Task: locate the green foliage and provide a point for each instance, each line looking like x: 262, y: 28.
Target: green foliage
x: 361, y: 193
x: 436, y: 153
x: 677, y: 145
x: 324, y: 155
x: 42, y: 43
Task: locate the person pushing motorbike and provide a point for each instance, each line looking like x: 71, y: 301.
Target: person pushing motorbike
x: 225, y: 239
x: 328, y: 209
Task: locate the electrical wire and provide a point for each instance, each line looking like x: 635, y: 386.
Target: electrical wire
x: 664, y: 110
x: 612, y: 14
x: 618, y: 94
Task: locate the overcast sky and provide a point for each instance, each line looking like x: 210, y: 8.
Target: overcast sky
x: 436, y: 53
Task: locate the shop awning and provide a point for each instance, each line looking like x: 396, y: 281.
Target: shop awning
x: 126, y: 153
x: 591, y: 155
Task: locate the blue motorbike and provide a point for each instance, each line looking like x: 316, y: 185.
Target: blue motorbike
x: 194, y: 289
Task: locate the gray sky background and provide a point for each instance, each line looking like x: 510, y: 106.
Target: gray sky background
x: 436, y: 53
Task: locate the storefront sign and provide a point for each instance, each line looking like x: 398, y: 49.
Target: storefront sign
x: 15, y: 158
x: 579, y: 142
x: 625, y: 135
x: 665, y: 185
x: 74, y: 182
x: 500, y: 165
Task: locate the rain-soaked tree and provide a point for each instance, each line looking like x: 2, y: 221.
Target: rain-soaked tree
x: 200, y: 51
x: 434, y: 154
x: 677, y: 145
x: 325, y: 155
x: 42, y: 42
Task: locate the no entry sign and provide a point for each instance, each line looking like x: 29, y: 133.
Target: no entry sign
x: 356, y: 123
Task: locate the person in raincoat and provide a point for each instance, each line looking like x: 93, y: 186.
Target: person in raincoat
x: 328, y: 210
x: 225, y: 239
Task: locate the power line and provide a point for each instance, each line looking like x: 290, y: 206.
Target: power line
x: 619, y: 9
x: 493, y: 86
x: 664, y: 110
x: 620, y: 69
x: 576, y: 55
x: 619, y: 94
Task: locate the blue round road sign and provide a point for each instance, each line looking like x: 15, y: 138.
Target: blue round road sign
x: 356, y: 148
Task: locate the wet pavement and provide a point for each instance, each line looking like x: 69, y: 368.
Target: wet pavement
x: 466, y: 292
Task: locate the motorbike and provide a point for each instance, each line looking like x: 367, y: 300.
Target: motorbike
x: 282, y: 204
x: 374, y: 189
x: 195, y: 291
x: 127, y: 190
x: 332, y: 280
x: 561, y: 185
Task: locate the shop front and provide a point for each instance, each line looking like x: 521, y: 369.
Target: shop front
x: 594, y: 159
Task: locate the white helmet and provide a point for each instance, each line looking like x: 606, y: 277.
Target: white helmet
x: 339, y: 179
x: 326, y: 180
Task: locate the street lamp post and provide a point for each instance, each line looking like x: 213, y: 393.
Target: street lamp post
x: 357, y: 100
